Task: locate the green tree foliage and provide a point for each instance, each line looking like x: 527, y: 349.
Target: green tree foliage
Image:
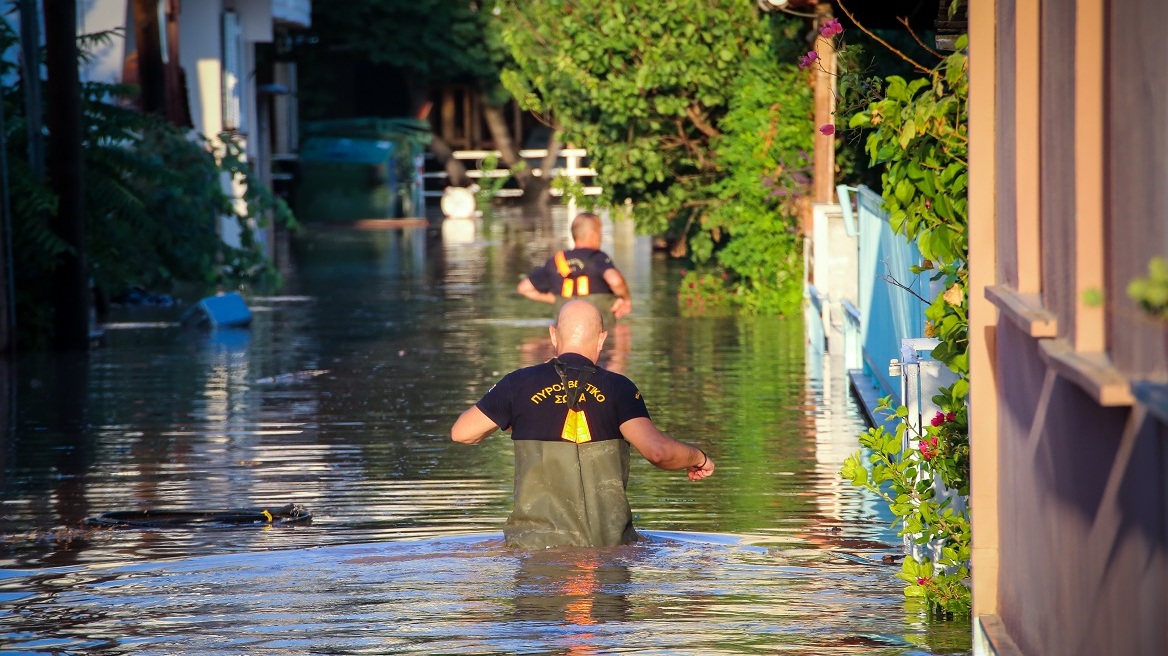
x: 755, y: 218
x: 154, y: 198
x: 426, y: 41
x: 435, y: 40
x: 685, y: 111
x: 642, y: 86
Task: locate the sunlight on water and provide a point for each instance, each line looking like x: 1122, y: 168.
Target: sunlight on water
x: 671, y: 593
x: 340, y: 396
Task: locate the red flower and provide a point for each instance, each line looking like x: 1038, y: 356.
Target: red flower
x: 921, y: 580
x: 938, y: 419
x: 827, y: 129
x: 691, y: 285
x: 950, y: 417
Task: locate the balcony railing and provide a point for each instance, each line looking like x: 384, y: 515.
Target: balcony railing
x: 569, y: 165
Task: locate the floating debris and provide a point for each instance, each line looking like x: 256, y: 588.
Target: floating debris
x: 292, y: 377
x: 289, y: 514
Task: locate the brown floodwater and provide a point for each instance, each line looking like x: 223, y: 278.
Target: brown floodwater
x: 339, y: 397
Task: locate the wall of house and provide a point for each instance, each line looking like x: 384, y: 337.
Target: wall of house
x: 1081, y: 508
x: 200, y: 51
x: 1137, y: 159
x: 1070, y: 479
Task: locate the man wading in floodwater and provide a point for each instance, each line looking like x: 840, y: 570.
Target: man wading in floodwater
x: 572, y: 423
x: 584, y: 272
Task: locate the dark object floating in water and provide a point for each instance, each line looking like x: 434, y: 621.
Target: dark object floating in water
x: 289, y: 514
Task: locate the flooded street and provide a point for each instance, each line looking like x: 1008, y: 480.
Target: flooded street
x: 340, y: 398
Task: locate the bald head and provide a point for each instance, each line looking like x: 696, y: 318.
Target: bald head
x: 579, y: 329
x: 586, y: 230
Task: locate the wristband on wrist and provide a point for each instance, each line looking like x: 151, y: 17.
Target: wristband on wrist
x: 705, y: 458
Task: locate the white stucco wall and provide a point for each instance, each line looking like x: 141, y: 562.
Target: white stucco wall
x: 200, y: 44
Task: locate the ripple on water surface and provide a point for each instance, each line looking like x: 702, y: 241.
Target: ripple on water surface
x: 340, y: 396
x: 673, y: 593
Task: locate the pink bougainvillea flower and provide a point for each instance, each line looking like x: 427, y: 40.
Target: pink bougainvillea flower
x: 928, y: 447
x: 921, y: 580
x: 827, y: 129
x: 810, y: 58
x: 950, y: 417
x: 938, y: 419
x: 926, y: 452
x: 831, y: 28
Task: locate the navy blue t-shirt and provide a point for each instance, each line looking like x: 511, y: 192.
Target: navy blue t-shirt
x: 533, y: 402
x: 582, y: 261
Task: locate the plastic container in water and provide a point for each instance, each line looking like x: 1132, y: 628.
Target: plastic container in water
x: 361, y: 168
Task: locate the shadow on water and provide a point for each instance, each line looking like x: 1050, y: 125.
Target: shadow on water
x: 340, y: 397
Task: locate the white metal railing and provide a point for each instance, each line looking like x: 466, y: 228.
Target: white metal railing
x: 572, y: 169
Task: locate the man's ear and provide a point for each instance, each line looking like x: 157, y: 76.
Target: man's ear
x: 555, y: 341
x: 600, y: 341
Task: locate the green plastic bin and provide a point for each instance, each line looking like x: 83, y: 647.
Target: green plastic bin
x: 362, y: 168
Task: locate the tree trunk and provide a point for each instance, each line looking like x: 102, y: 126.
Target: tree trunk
x: 455, y: 171
x: 501, y: 134
x: 421, y: 106
x: 538, y: 190
x: 66, y: 174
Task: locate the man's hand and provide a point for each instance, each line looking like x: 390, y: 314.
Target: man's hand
x: 624, y: 300
x: 621, y: 307
x: 699, y: 472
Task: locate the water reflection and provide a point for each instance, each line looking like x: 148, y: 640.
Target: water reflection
x: 340, y: 396
x: 672, y: 593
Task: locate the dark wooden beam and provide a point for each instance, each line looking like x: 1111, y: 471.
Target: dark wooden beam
x: 65, y: 167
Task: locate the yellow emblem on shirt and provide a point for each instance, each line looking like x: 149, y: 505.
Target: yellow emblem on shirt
x: 576, y: 428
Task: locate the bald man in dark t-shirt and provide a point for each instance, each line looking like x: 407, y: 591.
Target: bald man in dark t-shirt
x: 572, y: 424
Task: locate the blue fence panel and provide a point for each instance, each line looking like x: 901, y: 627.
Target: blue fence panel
x: 889, y: 307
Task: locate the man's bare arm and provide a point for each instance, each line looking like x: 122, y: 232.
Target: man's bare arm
x: 663, y: 451
x: 528, y: 290
x: 616, y: 282
x: 472, y: 426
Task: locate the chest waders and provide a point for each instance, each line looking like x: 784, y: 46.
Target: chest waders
x: 576, y: 424
x: 553, y: 505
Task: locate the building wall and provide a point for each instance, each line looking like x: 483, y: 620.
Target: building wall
x: 200, y: 50
x: 1070, y: 478
x: 1137, y: 159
